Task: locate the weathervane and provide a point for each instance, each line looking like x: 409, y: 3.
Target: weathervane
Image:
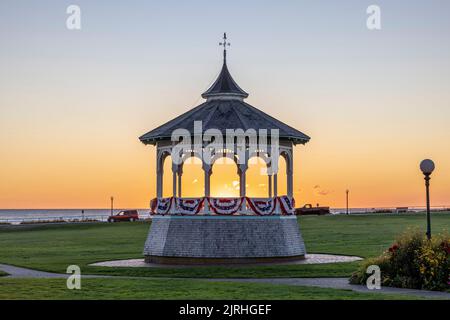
x: 225, y: 43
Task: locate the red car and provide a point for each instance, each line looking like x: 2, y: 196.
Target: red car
x: 126, y: 215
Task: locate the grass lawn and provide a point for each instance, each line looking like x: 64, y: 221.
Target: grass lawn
x: 54, y: 247
x: 2, y: 274
x: 106, y: 289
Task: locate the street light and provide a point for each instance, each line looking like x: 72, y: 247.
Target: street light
x: 427, y: 168
x: 112, y: 205
x: 347, y: 191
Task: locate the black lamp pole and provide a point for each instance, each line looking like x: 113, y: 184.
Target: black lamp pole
x: 427, y: 187
x: 347, y: 191
x: 427, y: 167
x: 112, y: 204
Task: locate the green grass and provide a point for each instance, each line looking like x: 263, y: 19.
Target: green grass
x: 47, y: 289
x: 54, y: 247
x: 2, y: 274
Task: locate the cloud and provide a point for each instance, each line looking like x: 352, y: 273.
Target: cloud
x: 321, y: 192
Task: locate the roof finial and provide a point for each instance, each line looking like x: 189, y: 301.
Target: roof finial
x: 225, y: 43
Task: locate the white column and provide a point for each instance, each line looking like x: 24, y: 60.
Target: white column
x: 274, y: 172
x: 289, y: 184
x: 180, y: 174
x: 242, y: 169
x: 207, y: 172
x: 174, y: 180
x: 275, y: 193
x: 290, y: 175
x: 275, y: 185
x: 159, y: 175
x: 159, y: 183
x: 269, y: 176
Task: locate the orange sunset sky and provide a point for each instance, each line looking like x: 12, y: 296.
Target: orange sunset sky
x: 73, y: 103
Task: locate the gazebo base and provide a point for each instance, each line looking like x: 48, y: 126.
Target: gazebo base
x: 223, y: 240
x: 217, y: 261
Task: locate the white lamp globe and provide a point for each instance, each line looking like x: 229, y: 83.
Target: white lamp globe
x: 427, y: 166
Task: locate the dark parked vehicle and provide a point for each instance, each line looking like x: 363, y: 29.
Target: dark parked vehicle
x: 310, y: 210
x: 126, y: 215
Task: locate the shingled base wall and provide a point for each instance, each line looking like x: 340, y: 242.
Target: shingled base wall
x: 223, y: 239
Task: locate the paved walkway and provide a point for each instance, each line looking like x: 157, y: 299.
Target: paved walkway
x: 334, y: 283
x: 314, y: 258
x: 341, y: 283
x: 17, y: 272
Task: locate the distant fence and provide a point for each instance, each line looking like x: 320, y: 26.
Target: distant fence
x: 59, y: 219
x: 54, y: 219
x: 388, y: 210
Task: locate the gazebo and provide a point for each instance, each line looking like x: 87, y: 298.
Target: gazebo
x: 224, y: 230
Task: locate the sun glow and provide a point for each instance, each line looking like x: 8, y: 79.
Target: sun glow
x: 224, y: 179
x: 68, y: 131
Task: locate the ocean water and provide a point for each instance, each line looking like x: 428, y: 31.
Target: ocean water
x: 16, y: 216
x: 19, y: 215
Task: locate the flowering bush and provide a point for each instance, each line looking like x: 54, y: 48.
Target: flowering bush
x: 413, y: 262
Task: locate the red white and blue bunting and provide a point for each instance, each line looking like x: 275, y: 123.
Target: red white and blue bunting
x: 188, y: 206
x: 161, y: 206
x: 262, y: 206
x: 225, y: 206
x: 287, y: 205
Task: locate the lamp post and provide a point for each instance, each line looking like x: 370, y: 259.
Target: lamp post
x: 427, y: 168
x: 347, y: 191
x: 112, y: 205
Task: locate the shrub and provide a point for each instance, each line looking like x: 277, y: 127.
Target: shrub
x: 413, y: 262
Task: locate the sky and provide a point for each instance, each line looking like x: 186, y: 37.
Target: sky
x: 74, y: 102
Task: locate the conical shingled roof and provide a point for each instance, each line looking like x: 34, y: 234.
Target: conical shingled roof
x: 224, y: 85
x: 224, y: 109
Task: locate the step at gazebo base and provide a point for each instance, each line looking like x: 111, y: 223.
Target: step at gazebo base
x: 223, y: 239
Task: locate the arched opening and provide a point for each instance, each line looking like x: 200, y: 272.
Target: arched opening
x: 167, y: 177
x: 193, y: 178
x: 257, y: 180
x: 224, y: 178
x: 282, y: 176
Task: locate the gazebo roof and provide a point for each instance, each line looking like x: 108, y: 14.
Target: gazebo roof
x: 224, y: 109
x: 224, y: 114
